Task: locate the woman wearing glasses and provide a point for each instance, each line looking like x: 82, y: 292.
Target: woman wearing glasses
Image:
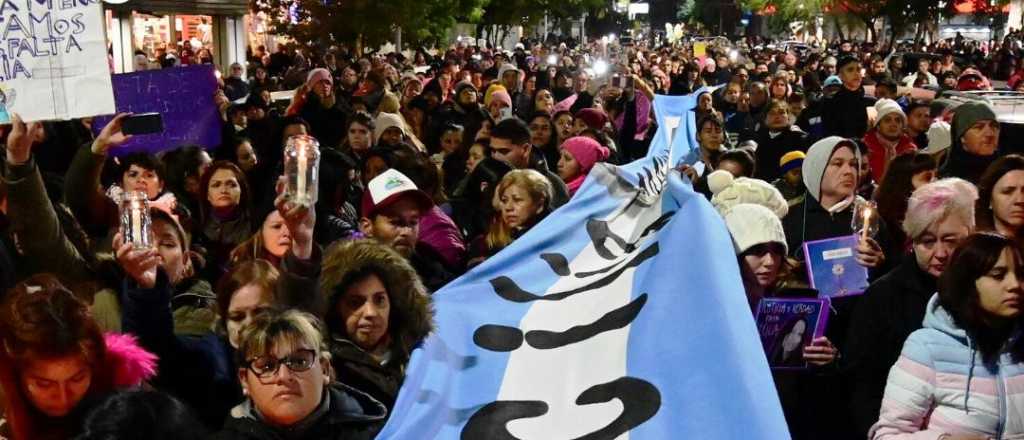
x: 285, y: 371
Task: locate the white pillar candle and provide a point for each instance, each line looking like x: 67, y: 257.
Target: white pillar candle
x: 301, y: 170
x: 136, y: 237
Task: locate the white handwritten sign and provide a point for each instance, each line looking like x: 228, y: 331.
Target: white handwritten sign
x: 53, y: 60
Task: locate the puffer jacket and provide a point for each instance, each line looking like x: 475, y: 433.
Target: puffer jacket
x: 941, y: 386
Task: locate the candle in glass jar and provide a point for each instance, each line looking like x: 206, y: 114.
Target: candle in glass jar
x: 301, y: 170
x: 136, y: 214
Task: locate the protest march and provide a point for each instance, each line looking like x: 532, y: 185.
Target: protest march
x: 665, y: 237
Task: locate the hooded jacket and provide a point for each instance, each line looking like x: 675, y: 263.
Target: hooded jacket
x: 410, y: 320
x: 940, y: 386
x: 809, y: 221
x: 344, y: 413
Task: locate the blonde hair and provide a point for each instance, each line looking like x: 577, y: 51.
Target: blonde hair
x: 291, y: 326
x: 536, y: 185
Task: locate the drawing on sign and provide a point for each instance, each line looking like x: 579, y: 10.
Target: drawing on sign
x: 622, y: 243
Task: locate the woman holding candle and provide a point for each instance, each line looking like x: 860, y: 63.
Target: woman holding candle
x: 1001, y: 197
x: 95, y: 209
x: 199, y: 369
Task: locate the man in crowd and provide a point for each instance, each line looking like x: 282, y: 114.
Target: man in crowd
x: 510, y: 143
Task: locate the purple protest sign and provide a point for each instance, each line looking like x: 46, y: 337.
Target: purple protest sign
x: 184, y: 98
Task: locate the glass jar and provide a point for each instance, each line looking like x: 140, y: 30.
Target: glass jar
x: 301, y: 169
x: 135, y: 219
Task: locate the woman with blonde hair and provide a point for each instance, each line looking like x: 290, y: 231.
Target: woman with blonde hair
x: 522, y: 199
x: 286, y: 352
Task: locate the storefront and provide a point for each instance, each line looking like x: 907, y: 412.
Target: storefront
x: 182, y: 27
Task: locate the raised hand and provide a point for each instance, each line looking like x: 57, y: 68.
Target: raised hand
x: 21, y: 139
x: 140, y: 264
x: 111, y: 136
x: 300, y: 220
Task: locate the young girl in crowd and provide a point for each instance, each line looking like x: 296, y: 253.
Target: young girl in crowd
x: 579, y: 155
x: 954, y: 378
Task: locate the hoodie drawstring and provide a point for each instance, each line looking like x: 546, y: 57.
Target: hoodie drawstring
x: 970, y: 374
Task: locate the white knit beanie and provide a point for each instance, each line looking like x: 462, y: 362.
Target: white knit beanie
x: 939, y: 138
x: 751, y: 224
x: 885, y: 107
x: 730, y: 192
x: 817, y: 160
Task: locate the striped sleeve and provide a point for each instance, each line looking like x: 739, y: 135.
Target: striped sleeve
x: 909, y: 396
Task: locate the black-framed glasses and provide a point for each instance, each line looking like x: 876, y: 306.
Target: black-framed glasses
x: 265, y: 367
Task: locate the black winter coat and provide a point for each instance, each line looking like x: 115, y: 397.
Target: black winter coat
x: 770, y: 150
x: 844, y: 113
x: 351, y: 415
x: 892, y: 308
x: 357, y: 368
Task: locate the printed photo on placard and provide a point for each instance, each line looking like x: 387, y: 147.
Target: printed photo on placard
x: 787, y: 326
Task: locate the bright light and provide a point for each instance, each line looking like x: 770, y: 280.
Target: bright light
x: 552, y: 59
x: 590, y: 72
x: 604, y: 39
x: 611, y: 37
x: 733, y: 55
x: 600, y: 67
x: 217, y: 73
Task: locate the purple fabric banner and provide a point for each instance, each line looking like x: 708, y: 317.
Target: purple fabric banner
x: 184, y: 98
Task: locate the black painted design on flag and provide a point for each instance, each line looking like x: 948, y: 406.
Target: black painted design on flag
x: 613, y: 320
x: 510, y: 291
x: 504, y: 338
x: 640, y: 401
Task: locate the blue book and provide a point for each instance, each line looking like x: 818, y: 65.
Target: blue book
x: 832, y: 267
x: 787, y: 326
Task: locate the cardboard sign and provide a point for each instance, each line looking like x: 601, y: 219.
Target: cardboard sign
x: 184, y: 98
x: 53, y: 60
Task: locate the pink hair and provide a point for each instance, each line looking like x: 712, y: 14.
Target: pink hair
x: 939, y: 200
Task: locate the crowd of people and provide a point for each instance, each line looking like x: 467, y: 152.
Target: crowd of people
x: 254, y: 316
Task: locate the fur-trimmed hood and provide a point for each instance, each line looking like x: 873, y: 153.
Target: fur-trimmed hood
x: 412, y: 314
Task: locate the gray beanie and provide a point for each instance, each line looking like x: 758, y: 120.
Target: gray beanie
x: 817, y: 160
x: 967, y: 114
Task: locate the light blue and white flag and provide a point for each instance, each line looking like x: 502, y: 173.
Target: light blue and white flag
x: 621, y: 315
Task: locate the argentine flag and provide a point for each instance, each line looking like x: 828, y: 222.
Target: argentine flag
x: 620, y: 316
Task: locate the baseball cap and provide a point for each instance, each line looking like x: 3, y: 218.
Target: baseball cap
x: 390, y: 187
